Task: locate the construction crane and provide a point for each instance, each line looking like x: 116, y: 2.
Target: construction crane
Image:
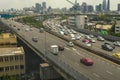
x: 75, y: 5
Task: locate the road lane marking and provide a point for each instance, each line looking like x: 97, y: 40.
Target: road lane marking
x: 67, y: 48
x: 79, y: 54
x: 96, y: 75
x: 74, y: 49
x: 109, y: 72
x: 76, y: 64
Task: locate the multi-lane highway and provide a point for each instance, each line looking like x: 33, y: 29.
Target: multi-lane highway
x: 101, y: 70
x: 56, y: 27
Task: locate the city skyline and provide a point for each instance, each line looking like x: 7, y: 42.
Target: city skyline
x: 19, y: 4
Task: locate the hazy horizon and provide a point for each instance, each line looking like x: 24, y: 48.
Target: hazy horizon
x: 20, y: 4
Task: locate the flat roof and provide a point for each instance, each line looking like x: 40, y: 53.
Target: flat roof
x: 44, y: 65
x: 11, y: 51
x: 106, y: 27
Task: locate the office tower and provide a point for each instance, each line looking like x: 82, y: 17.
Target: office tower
x: 90, y: 8
x: 108, y: 5
x: 99, y: 8
x: 44, y: 5
x: 84, y: 7
x: 37, y: 7
x: 118, y: 7
x: 104, y: 5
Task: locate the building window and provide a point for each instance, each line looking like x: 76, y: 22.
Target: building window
x: 11, y: 58
x: 7, y: 68
x: 16, y: 58
x: 21, y: 66
x: 11, y: 68
x: 1, y: 59
x: 1, y: 69
x: 21, y: 57
x: 6, y: 59
x: 16, y: 66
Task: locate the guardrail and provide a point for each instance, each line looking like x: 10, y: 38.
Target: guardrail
x: 107, y: 37
x: 87, y: 48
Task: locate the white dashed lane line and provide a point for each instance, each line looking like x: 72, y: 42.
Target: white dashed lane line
x: 95, y: 74
x: 67, y: 48
x: 74, y: 49
x: 109, y: 72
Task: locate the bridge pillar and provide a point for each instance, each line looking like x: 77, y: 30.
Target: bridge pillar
x: 47, y: 72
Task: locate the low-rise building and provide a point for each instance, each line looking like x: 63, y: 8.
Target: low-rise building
x: 103, y: 27
x: 8, y: 40
x: 78, y: 21
x: 12, y: 61
x: 117, y: 27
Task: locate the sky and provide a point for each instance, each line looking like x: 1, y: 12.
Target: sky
x: 19, y: 4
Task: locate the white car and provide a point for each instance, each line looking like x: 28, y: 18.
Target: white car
x: 88, y: 44
x: 71, y: 44
x: 92, y: 40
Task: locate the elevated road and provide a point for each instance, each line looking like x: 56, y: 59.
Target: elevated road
x: 101, y: 70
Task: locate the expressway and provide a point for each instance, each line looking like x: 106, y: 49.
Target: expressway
x: 95, y: 46
x: 101, y: 70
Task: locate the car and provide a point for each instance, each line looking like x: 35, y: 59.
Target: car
x: 26, y: 29
x: 100, y: 38
x: 71, y: 44
x: 35, y: 39
x: 92, y: 36
x: 60, y: 47
x: 88, y: 44
x: 73, y: 38
x: 87, y: 37
x: 116, y: 55
x: 112, y: 45
x: 41, y: 30
x: 14, y: 25
x: 18, y: 29
x: 117, y: 43
x: 85, y: 40
x: 107, y: 47
x: 78, y: 37
x: 92, y: 40
x: 87, y: 61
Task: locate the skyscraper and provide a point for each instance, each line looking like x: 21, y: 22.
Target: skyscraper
x: 37, y: 7
x: 118, y: 7
x: 104, y: 5
x: 108, y: 5
x: 44, y: 5
x: 99, y: 8
x: 84, y: 7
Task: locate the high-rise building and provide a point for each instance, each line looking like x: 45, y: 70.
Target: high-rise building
x: 108, y: 5
x: 90, y: 8
x: 118, y: 7
x: 99, y: 8
x: 84, y: 7
x: 44, y: 9
x: 38, y: 7
x: 104, y: 5
x: 44, y: 5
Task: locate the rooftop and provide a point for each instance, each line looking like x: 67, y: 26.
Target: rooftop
x: 44, y: 65
x: 105, y: 27
x: 11, y: 51
x: 7, y: 38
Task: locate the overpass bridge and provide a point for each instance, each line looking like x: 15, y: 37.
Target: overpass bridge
x: 67, y: 63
